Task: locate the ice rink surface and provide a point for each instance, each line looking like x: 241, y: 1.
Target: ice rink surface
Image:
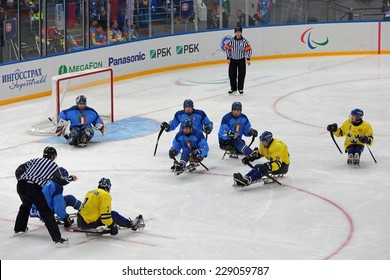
x: 324, y: 209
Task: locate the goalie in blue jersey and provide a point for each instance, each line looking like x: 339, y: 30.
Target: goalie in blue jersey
x: 53, y: 191
x: 191, y: 142
x: 200, y: 120
x: 82, y: 119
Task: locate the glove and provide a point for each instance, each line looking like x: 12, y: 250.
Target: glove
x: 245, y: 160
x: 172, y: 153
x: 68, y: 221
x: 252, y: 156
x: 166, y: 126
x: 253, y: 132
x: 113, y: 229
x: 196, y: 154
x: 265, y: 168
x: 207, y: 128
x: 332, y: 127
x: 232, y: 134
x: 365, y: 139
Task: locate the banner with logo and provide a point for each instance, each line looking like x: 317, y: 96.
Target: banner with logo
x: 186, y: 9
x: 10, y: 30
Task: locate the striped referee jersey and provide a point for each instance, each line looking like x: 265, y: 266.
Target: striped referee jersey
x: 238, y: 49
x: 38, y: 170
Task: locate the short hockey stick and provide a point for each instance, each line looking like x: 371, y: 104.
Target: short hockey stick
x: 253, y: 139
x: 371, y: 153
x: 331, y: 135
x: 158, y: 138
x: 204, y: 166
x: 266, y: 175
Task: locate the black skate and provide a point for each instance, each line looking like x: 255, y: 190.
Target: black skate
x: 137, y: 224
x: 356, y: 159
x: 19, y: 233
x: 240, y: 181
x: 61, y: 242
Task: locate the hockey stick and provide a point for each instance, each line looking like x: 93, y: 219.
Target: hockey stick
x: 371, y: 153
x: 266, y: 175
x: 331, y: 135
x: 65, y: 136
x: 158, y: 138
x: 204, y: 166
x: 253, y: 139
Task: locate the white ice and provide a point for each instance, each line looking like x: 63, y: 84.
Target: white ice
x: 324, y: 209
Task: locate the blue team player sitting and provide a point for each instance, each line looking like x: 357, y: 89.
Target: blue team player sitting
x: 273, y: 150
x: 193, y: 145
x: 82, y: 120
x: 57, y: 202
x: 200, y: 120
x: 233, y: 126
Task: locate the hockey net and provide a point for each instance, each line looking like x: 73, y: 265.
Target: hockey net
x: 96, y: 85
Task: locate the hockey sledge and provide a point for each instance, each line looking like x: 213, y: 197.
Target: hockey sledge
x: 190, y: 168
x: 265, y: 180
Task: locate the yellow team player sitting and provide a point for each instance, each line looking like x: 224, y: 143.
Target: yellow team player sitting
x: 96, y: 211
x: 357, y: 132
x: 273, y: 150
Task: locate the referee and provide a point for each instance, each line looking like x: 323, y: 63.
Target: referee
x: 31, y: 176
x: 237, y: 51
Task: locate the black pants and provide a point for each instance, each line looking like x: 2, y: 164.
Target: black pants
x: 233, y: 67
x: 31, y: 193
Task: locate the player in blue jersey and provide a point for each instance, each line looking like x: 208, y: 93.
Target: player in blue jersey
x: 200, y: 120
x: 233, y: 126
x: 82, y: 120
x: 57, y: 202
x: 191, y: 142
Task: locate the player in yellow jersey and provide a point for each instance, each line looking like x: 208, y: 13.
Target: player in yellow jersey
x: 357, y: 132
x: 273, y: 150
x: 96, y: 211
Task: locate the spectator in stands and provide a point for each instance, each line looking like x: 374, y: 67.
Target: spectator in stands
x: 99, y: 38
x: 73, y: 45
x: 216, y: 10
x: 130, y: 33
x: 386, y: 10
x: 116, y: 35
x: 143, y: 12
x: 242, y: 19
x: 263, y: 12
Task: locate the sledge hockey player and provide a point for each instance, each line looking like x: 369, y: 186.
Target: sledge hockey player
x: 273, y: 150
x: 193, y: 145
x: 233, y: 126
x: 96, y: 211
x: 81, y: 118
x: 357, y: 132
x: 53, y: 191
x: 199, y: 118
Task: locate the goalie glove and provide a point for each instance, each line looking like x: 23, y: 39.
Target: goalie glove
x: 101, y: 128
x: 61, y: 128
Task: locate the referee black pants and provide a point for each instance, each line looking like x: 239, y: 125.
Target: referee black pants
x: 31, y: 193
x: 237, y: 65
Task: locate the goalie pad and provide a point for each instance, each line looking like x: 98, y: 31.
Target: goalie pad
x: 61, y: 128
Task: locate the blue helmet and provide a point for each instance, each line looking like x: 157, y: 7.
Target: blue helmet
x: 237, y: 106
x: 357, y: 113
x: 188, y: 103
x: 188, y: 123
x: 266, y: 136
x: 105, y: 184
x: 81, y: 99
x: 63, y: 171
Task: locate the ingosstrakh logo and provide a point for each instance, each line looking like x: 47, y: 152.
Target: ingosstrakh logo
x: 306, y: 38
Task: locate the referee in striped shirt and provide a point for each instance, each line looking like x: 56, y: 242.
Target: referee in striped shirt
x: 31, y: 176
x: 238, y: 52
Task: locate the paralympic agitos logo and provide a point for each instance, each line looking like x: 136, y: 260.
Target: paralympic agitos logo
x: 306, y: 38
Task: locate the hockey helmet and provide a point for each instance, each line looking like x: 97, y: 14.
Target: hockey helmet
x: 237, y: 106
x: 81, y: 99
x: 188, y: 103
x: 266, y: 136
x: 63, y: 171
x: 188, y: 123
x: 238, y: 29
x: 105, y: 184
x: 357, y: 113
x: 50, y: 152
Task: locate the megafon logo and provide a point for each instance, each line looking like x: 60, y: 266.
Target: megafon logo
x: 306, y: 39
x: 225, y: 40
